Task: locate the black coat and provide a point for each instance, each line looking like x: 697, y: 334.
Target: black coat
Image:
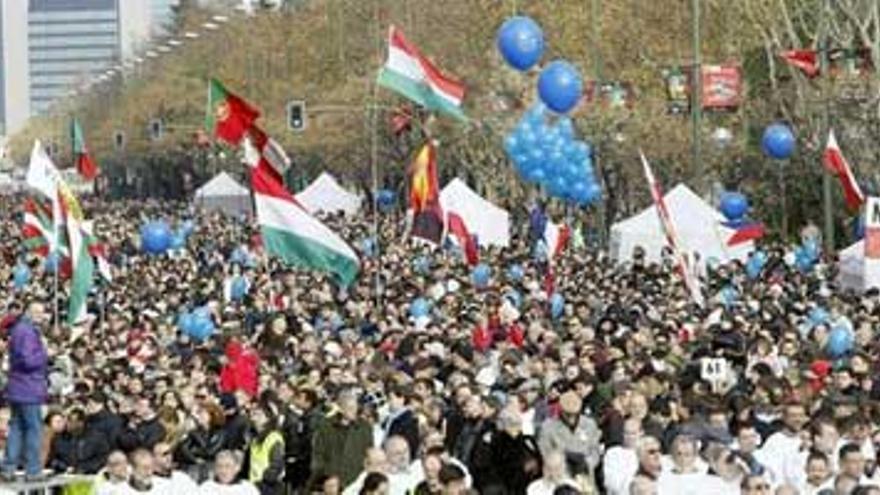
x: 143, y: 435
x: 197, y: 450
x: 235, y: 432
x: 84, y: 453
x: 108, y: 424
x: 516, y: 460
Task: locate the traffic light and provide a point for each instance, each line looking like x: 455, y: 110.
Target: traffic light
x: 119, y: 140
x: 156, y: 129
x: 296, y: 116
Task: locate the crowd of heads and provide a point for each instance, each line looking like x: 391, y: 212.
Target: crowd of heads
x: 488, y: 392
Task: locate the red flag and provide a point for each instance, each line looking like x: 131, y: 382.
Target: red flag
x: 805, y: 60
x: 457, y: 228
x: 744, y: 233
x: 86, y: 167
x: 836, y: 164
x: 691, y: 282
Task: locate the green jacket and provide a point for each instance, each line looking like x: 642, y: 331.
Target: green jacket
x: 340, y: 450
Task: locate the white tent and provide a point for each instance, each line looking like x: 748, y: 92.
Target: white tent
x: 698, y: 226
x: 490, y: 223
x: 851, y: 267
x: 326, y: 195
x: 223, y: 193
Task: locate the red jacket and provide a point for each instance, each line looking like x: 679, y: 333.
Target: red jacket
x: 241, y: 371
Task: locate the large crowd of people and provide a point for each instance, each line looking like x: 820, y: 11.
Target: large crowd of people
x: 306, y: 387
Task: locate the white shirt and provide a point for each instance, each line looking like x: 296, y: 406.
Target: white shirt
x: 107, y: 487
x: 211, y: 487
x: 178, y: 482
x: 780, y: 454
x: 807, y: 489
x: 619, y: 468
x: 688, y: 484
x: 543, y: 486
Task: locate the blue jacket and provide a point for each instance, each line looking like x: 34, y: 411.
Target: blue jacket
x: 28, y: 365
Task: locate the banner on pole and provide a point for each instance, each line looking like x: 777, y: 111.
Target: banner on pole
x: 872, y: 229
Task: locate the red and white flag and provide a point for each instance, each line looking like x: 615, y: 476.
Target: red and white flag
x: 805, y: 60
x: 691, y: 282
x: 836, y: 164
x: 456, y: 227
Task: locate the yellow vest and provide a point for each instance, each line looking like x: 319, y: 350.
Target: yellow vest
x: 260, y: 455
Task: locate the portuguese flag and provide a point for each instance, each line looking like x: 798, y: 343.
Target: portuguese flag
x: 228, y: 116
x: 86, y: 167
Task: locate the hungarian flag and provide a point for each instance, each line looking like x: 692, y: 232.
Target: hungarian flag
x: 424, y: 196
x: 409, y: 73
x: 805, y: 60
x: 270, y: 150
x: 836, y: 164
x: 457, y: 228
x: 691, y: 282
x: 228, y: 116
x: 291, y: 233
x: 86, y: 167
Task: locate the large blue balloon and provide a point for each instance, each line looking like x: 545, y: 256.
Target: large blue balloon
x: 778, y: 141
x: 156, y: 237
x: 557, y: 305
x: 560, y: 86
x: 419, y: 308
x: 734, y: 205
x: 481, y: 275
x: 521, y: 42
x: 840, y: 342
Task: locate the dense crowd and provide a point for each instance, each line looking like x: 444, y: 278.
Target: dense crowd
x: 305, y: 387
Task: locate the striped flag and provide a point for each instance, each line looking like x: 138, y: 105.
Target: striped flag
x: 409, y: 73
x: 290, y: 232
x: 836, y: 164
x: 691, y: 282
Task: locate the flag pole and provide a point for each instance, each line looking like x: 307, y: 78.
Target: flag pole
x: 374, y: 171
x: 55, y: 309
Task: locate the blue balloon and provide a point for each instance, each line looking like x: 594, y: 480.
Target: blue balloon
x: 52, y: 261
x: 566, y: 128
x: 535, y: 173
x: 557, y: 305
x: 419, y: 308
x: 185, y: 322
x: 21, y: 275
x: 514, y: 297
x: 481, y: 275
x: 580, y: 193
x: 239, y: 288
x: 516, y: 272
x: 840, y: 343
x: 728, y: 296
x: 386, y: 199
x: 778, y: 141
x: 560, y: 86
x: 187, y: 227
x: 818, y: 316
x: 156, y: 237
x: 734, y: 205
x: 178, y: 240
x: 512, y: 145
x: 521, y: 42
x: 594, y: 192
x: 557, y: 185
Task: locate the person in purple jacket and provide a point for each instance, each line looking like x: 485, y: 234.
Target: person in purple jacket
x: 26, y: 392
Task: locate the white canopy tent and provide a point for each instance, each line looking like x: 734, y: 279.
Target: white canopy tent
x: 326, y: 195
x: 698, y: 227
x: 223, y: 193
x: 490, y: 223
x: 851, y: 269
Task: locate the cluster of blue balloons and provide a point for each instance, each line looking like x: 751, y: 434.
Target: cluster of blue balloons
x: 481, y: 275
x: 198, y: 323
x: 21, y: 275
x: 807, y: 255
x: 778, y: 141
x: 552, y: 157
x: 157, y: 236
x: 419, y: 308
x: 755, y: 264
x: 734, y: 206
x: 521, y: 42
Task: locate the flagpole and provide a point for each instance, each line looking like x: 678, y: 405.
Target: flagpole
x: 374, y: 171
x: 55, y: 291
